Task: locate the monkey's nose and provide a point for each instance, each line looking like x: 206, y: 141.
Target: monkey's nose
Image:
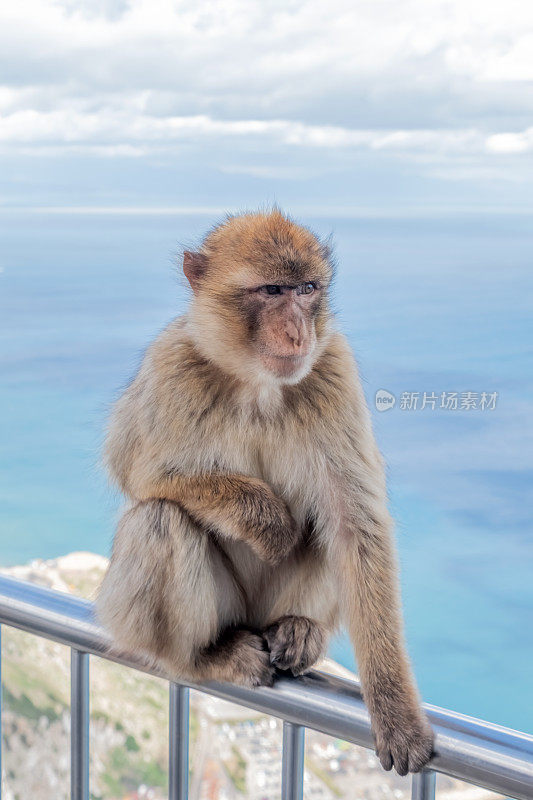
x: 294, y: 333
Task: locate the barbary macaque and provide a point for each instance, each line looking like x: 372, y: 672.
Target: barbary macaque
x: 258, y: 518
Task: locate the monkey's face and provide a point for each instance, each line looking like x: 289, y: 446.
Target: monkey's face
x: 260, y: 306
x: 280, y: 319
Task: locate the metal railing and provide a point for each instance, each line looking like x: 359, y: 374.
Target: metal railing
x: 487, y: 755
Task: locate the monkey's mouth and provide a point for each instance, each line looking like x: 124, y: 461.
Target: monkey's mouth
x: 284, y: 366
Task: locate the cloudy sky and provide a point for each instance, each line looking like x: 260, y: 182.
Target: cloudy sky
x: 362, y: 105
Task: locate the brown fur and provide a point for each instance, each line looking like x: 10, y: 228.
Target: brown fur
x: 258, y: 498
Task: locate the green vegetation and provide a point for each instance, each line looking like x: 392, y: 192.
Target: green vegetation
x: 131, y: 744
x: 100, y: 716
x: 236, y: 769
x: 152, y: 701
x: 22, y: 676
x: 112, y: 783
x: 23, y: 706
x: 152, y: 774
x: 323, y: 776
x: 125, y: 773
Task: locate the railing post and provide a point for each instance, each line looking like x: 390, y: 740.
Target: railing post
x: 423, y: 785
x: 178, y: 755
x: 79, y: 725
x: 292, y: 765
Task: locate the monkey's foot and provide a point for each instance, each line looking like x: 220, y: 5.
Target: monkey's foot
x: 403, y: 741
x: 240, y: 656
x: 295, y: 643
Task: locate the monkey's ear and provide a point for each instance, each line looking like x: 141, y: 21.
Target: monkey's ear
x: 194, y: 267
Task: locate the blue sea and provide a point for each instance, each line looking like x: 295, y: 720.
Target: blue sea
x: 434, y: 305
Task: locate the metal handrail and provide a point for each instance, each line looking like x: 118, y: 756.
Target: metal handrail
x: 496, y: 758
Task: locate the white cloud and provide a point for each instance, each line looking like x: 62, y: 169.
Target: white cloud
x: 250, y: 39
x: 510, y: 143
x: 124, y: 132
x: 430, y: 80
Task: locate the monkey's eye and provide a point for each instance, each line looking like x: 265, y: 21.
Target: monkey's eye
x: 306, y: 288
x: 271, y: 289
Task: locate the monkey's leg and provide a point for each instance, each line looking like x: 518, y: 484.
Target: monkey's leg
x: 168, y: 593
x: 295, y: 643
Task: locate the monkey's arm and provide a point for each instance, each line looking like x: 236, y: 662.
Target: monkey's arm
x: 372, y: 609
x: 236, y: 506
x: 365, y: 557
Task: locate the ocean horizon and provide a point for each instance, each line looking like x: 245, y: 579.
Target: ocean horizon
x: 437, y: 309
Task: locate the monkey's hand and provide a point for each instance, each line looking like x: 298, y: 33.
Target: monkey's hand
x: 270, y: 529
x: 403, y: 736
